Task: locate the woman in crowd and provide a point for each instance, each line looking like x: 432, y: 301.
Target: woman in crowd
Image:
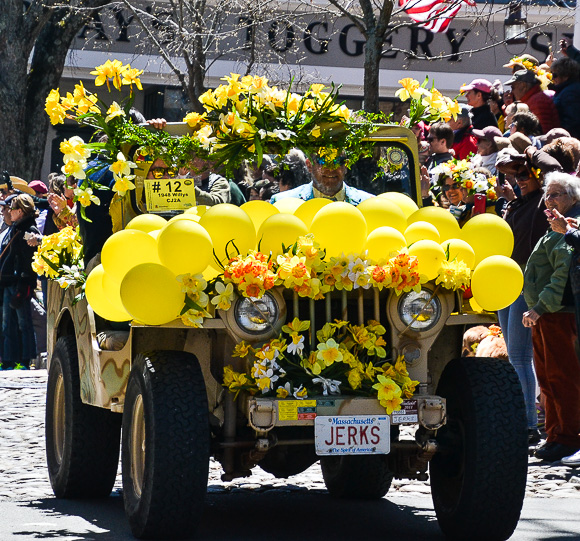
x: 551, y: 318
x: 525, y: 216
x: 18, y: 281
x: 566, y: 81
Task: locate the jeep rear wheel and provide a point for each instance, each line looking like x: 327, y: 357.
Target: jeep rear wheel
x: 358, y: 477
x: 82, y: 441
x: 478, y: 478
x: 165, y: 445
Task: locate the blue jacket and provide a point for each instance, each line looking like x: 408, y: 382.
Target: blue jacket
x: 567, y: 101
x: 305, y: 192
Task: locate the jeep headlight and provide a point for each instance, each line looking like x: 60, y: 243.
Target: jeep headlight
x: 419, y: 311
x: 256, y: 316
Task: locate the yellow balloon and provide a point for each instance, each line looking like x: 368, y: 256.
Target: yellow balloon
x: 231, y: 231
x: 460, y: 250
x: 379, y: 212
x: 184, y: 247
x: 383, y: 243
x: 199, y: 210
x: 126, y: 249
x: 488, y: 235
x: 404, y: 202
x: 155, y: 233
x: 421, y: 231
x: 147, y: 223
x: 210, y: 273
x: 496, y: 282
x: 279, y: 229
x: 308, y: 209
x: 151, y: 294
x: 339, y: 228
x: 258, y: 211
x: 430, y: 256
x: 98, y: 299
x: 185, y: 216
x: 442, y: 219
x: 112, y: 289
x: 288, y: 205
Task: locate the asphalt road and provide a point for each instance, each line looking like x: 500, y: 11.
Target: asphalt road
x: 278, y: 514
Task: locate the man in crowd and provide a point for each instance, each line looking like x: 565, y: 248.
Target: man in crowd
x: 327, y: 181
x: 440, y: 141
x: 477, y: 94
x: 526, y: 88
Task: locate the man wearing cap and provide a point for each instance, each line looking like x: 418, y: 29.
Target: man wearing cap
x: 477, y: 94
x: 464, y: 142
x: 526, y: 88
x: 486, y: 148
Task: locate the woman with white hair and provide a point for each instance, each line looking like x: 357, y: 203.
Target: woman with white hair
x: 551, y: 317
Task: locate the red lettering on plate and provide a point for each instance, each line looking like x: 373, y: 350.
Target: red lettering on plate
x: 363, y: 435
x: 340, y: 435
x: 331, y: 437
x: 376, y: 433
x: 352, y: 435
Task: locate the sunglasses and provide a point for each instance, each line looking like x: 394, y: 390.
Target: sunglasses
x: 454, y: 186
x: 160, y: 172
x: 321, y: 160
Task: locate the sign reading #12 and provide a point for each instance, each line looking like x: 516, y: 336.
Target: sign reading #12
x: 169, y: 194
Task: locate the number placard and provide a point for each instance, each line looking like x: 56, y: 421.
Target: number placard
x: 162, y: 194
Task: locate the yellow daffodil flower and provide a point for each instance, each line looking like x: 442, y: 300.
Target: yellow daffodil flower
x: 329, y: 352
x: 123, y: 184
x: 224, y: 296
x: 75, y: 168
x: 131, y: 77
x: 85, y: 197
x: 114, y: 111
x: 122, y: 166
x: 74, y: 149
x: 109, y: 70
x: 54, y: 109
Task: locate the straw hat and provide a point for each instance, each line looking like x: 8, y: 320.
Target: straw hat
x: 20, y: 185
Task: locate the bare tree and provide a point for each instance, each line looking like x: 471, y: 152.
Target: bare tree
x: 35, y: 37
x: 190, y: 35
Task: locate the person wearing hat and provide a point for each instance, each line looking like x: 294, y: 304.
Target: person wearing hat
x: 18, y: 281
x: 518, y: 141
x: 526, y: 88
x: 518, y: 63
x: 477, y: 94
x: 486, y: 148
x: 566, y: 83
x: 464, y: 142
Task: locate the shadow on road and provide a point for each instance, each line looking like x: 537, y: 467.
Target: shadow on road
x: 280, y: 514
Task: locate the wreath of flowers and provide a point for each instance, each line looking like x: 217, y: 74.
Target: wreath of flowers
x: 348, y: 359
x: 545, y: 77
x: 461, y: 171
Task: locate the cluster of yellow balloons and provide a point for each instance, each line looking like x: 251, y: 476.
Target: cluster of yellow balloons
x: 139, y: 265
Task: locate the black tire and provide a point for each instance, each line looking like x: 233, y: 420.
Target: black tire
x: 82, y: 441
x: 356, y: 477
x: 478, y: 479
x: 165, y: 446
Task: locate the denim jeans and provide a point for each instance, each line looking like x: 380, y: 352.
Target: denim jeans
x: 518, y: 340
x: 18, y: 333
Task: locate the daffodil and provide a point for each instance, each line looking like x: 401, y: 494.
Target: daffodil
x: 297, y: 344
x: 130, y: 76
x: 329, y: 352
x: 193, y: 318
x: 109, y: 70
x: 296, y: 326
x: 54, y: 109
x: 194, y: 119
x: 122, y: 166
x: 74, y: 149
x: 123, y: 184
x: 75, y: 168
x: 85, y: 197
x: 115, y: 110
x: 224, y: 296
x: 242, y: 350
x: 411, y: 89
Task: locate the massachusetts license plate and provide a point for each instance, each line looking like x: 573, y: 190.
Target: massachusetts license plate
x: 352, y: 435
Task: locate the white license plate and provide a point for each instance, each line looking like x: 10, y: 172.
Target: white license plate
x: 352, y: 435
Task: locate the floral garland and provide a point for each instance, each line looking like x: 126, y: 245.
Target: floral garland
x: 426, y: 105
x: 461, y: 171
x: 243, y: 120
x: 303, y: 268
x: 60, y: 257
x: 348, y: 359
x: 545, y: 77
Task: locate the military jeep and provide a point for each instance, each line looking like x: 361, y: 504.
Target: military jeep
x: 158, y: 391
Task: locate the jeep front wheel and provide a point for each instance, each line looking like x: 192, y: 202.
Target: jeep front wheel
x: 165, y: 447
x: 478, y: 476
x: 82, y: 441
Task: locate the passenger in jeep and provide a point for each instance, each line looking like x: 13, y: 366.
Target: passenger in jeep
x: 327, y: 181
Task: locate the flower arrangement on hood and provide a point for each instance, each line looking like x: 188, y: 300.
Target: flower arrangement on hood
x: 348, y: 359
x: 424, y: 104
x: 243, y: 119
x: 461, y: 171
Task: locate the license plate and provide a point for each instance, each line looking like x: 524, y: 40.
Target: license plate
x: 352, y: 435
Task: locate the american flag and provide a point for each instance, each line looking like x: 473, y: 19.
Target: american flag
x: 434, y: 15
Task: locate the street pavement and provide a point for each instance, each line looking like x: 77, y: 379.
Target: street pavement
x: 30, y: 511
